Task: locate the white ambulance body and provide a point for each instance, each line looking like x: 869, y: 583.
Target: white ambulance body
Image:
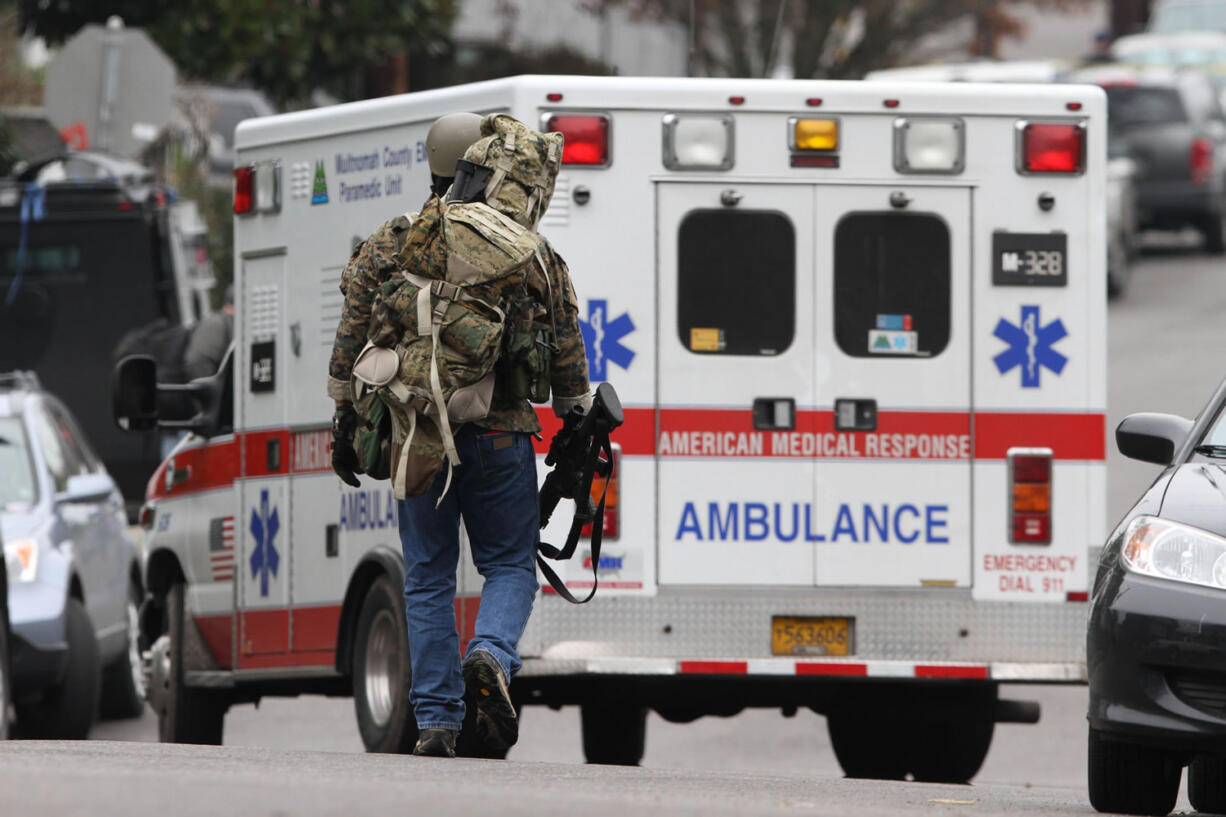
x: 859, y: 331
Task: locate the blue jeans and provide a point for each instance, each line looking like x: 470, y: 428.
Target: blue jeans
x: 494, y: 489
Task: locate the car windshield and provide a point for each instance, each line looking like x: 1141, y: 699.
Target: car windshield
x: 17, y: 484
x: 1132, y: 106
x: 1204, y: 16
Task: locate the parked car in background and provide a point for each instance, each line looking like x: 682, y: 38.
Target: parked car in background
x: 1176, y: 135
x: 1157, y: 625
x: 1168, y: 16
x: 73, y: 570
x: 1121, y: 215
x: 1203, y: 51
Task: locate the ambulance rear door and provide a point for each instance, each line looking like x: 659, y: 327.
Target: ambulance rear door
x: 735, y: 365
x: 892, y: 429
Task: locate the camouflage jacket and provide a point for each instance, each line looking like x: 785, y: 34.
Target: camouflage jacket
x: 372, y: 262
x: 398, y: 245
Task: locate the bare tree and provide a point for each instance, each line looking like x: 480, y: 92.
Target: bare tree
x: 829, y: 38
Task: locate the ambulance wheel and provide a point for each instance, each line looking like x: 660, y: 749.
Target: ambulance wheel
x: 185, y: 714
x: 1128, y: 778
x: 123, y: 682
x: 66, y: 710
x: 614, y: 734
x: 381, y: 674
x: 950, y: 746
x: 867, y: 744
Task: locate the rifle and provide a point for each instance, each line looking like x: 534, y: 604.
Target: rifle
x: 575, y: 453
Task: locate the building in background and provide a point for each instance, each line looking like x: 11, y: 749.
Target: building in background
x: 626, y: 46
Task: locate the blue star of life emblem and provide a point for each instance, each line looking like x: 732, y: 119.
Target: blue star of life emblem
x: 264, y: 527
x: 602, y: 339
x: 1030, y: 346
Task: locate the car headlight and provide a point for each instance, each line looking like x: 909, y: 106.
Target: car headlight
x: 21, y: 559
x: 1169, y: 550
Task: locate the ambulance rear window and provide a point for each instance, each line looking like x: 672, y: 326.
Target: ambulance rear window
x: 736, y: 287
x: 891, y: 285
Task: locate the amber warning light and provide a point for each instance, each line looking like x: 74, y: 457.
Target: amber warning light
x: 586, y: 135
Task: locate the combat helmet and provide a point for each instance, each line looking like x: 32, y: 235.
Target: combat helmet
x: 524, y: 165
x: 447, y: 140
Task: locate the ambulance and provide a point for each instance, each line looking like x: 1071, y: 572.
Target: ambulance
x: 859, y: 334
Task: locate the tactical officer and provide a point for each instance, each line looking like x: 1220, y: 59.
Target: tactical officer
x: 494, y: 488
x: 373, y: 262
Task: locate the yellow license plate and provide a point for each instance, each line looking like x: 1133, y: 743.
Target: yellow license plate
x: 797, y: 635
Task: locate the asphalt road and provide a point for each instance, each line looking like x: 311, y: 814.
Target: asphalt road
x: 301, y: 756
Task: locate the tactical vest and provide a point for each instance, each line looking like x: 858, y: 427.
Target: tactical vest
x: 436, y: 335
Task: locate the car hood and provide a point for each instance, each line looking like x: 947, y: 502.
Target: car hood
x: 1196, y: 496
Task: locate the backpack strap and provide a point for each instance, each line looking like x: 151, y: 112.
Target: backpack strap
x: 434, y: 296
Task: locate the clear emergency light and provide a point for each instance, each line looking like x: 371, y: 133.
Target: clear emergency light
x: 930, y: 144
x: 1050, y: 147
x: 1029, y: 495
x: 586, y: 135
x: 698, y: 141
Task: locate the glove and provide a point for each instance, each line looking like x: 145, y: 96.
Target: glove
x: 344, y: 457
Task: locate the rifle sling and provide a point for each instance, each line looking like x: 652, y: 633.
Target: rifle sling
x: 600, y: 443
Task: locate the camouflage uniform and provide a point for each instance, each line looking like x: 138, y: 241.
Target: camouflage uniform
x: 372, y: 263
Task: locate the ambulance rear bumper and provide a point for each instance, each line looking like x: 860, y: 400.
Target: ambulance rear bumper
x: 933, y: 633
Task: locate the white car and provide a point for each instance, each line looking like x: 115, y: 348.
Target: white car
x: 73, y: 571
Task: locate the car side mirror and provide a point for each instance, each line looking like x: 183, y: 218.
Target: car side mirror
x: 134, y: 393
x: 87, y: 488
x: 1151, y: 437
x: 203, y: 406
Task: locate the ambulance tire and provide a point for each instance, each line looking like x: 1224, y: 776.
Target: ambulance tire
x: 66, y: 710
x: 191, y: 715
x: 381, y: 674
x: 952, y: 750
x: 1128, y: 778
x: 614, y: 734
x: 1207, y: 784
x: 867, y: 743
x: 123, y: 690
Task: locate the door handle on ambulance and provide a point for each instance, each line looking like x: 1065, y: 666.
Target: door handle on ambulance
x: 774, y: 414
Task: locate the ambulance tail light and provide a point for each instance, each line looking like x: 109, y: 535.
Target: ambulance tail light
x: 586, y: 135
x: 1200, y: 160
x: 244, y: 189
x: 1030, y: 495
x: 611, y: 504
x: 1051, y: 147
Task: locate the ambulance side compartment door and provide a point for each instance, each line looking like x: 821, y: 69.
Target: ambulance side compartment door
x: 263, y: 526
